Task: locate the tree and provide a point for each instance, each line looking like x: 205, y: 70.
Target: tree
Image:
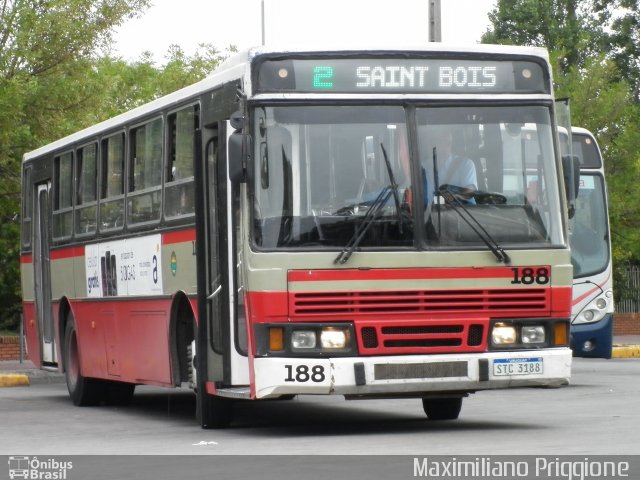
x: 623, y: 40
x: 46, y: 48
x: 123, y: 86
x: 570, y: 28
x: 54, y: 80
x: 601, y: 102
x: 599, y: 70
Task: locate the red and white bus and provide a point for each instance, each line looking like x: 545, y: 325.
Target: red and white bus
x: 274, y: 230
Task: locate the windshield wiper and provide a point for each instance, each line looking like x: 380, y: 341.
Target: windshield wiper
x: 372, y: 214
x: 394, y: 188
x: 453, y: 199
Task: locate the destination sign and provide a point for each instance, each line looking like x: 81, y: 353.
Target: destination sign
x: 401, y: 75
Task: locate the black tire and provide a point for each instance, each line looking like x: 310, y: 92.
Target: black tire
x: 442, y: 408
x: 82, y: 390
x: 212, y: 411
x: 119, y: 393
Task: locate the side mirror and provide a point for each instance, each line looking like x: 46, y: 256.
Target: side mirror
x: 571, y: 173
x: 238, y: 157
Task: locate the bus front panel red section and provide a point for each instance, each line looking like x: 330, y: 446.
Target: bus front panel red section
x: 414, y: 311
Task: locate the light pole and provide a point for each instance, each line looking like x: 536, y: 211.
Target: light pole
x: 435, y: 21
x: 262, y: 17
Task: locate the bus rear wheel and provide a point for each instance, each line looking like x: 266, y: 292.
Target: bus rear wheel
x: 442, y: 408
x: 82, y: 390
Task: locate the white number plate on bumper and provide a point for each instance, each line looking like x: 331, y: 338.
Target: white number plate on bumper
x: 517, y: 366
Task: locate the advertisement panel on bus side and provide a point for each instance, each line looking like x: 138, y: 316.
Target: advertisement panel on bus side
x: 124, y: 267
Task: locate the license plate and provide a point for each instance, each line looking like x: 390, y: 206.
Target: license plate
x: 517, y: 366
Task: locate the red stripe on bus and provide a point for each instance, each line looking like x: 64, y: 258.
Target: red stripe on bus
x: 587, y: 294
x: 599, y: 286
x: 180, y: 236
x: 26, y: 259
x: 70, y: 252
x: 399, y: 274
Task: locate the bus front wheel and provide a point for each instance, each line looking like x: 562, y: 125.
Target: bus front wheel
x: 82, y: 390
x: 442, y: 408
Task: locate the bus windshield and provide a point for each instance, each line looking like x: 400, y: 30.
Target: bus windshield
x: 330, y: 176
x: 589, y: 236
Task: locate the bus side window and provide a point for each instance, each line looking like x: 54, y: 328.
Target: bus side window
x: 112, y: 183
x: 179, y: 189
x: 27, y: 205
x: 145, y: 170
x: 63, y: 196
x: 87, y: 189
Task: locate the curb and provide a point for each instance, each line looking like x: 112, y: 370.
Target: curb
x: 626, y: 351
x: 14, y: 380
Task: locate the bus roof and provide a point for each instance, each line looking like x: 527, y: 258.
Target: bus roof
x: 431, y: 47
x: 237, y: 66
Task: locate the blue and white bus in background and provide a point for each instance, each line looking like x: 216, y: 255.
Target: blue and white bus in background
x: 590, y: 239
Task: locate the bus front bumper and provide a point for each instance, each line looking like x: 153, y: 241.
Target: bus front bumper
x: 593, y: 339
x: 412, y: 375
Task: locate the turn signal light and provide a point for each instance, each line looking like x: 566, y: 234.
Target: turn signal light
x: 561, y: 334
x: 276, y: 339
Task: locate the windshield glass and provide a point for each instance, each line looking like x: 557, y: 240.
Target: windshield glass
x: 321, y: 172
x: 494, y: 164
x: 589, y: 237
x: 349, y: 177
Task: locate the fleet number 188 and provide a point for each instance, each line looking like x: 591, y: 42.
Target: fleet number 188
x: 304, y: 373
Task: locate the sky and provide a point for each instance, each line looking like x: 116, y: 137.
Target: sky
x: 355, y: 23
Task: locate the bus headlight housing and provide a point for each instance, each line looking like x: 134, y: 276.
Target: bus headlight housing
x: 303, y: 339
x: 596, y: 309
x: 328, y: 338
x: 331, y: 338
x: 533, y: 334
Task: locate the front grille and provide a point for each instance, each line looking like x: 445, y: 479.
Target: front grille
x: 475, y: 335
x: 422, y: 329
x: 497, y: 302
x: 440, y: 336
x: 369, y: 337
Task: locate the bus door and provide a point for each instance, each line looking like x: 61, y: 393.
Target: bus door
x: 218, y: 295
x: 42, y: 273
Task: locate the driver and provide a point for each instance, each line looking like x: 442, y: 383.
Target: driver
x: 451, y: 169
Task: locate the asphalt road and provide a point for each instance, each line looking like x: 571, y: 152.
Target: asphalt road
x: 597, y: 414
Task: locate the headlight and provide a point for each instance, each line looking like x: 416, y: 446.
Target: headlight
x: 303, y: 339
x: 334, y: 338
x: 596, y: 309
x: 503, y: 334
x: 533, y: 334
